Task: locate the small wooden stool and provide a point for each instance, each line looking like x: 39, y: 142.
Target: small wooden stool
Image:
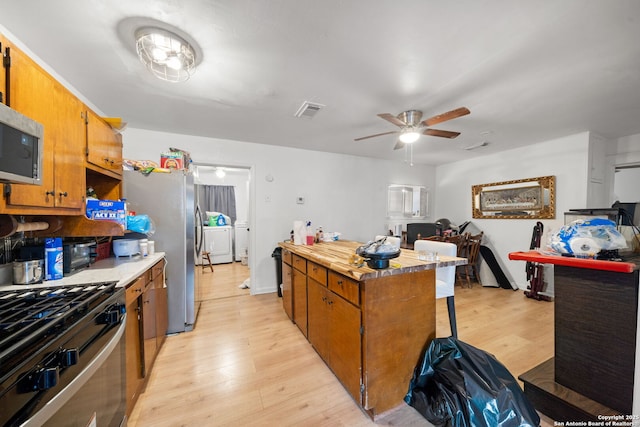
x: 205, y: 255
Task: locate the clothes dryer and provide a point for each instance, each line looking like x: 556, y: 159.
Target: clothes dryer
x: 218, y: 241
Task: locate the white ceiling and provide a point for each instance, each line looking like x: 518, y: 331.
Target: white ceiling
x: 529, y: 70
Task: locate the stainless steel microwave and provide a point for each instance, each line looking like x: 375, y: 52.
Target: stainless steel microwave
x: 21, y: 146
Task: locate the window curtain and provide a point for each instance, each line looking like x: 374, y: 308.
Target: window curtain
x: 218, y: 198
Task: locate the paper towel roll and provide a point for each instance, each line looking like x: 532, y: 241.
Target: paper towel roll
x: 584, y: 246
x: 299, y: 233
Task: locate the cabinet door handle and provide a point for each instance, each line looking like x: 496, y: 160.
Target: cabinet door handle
x: 50, y: 193
x: 63, y: 194
x: 339, y: 282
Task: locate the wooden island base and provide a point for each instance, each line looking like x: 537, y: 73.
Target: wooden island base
x: 369, y: 326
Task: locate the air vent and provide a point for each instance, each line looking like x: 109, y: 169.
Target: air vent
x: 474, y: 146
x: 308, y: 109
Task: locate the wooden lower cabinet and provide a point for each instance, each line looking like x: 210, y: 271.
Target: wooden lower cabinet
x: 154, y: 312
x: 147, y: 320
x: 287, y: 291
x: 334, y: 331
x: 370, y: 332
x: 162, y: 310
x: 299, y: 285
x: 133, y: 341
x: 149, y: 326
x: 287, y: 294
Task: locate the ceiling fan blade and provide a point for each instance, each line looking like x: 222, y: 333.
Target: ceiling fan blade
x: 449, y: 115
x: 393, y: 119
x: 398, y: 145
x: 378, y: 134
x: 441, y: 133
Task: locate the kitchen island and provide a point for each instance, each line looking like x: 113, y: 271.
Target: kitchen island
x: 370, y: 326
x: 594, y: 372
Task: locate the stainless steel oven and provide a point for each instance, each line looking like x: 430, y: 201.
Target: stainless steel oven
x: 62, y: 356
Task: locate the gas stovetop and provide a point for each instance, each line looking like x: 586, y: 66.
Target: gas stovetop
x: 32, y: 317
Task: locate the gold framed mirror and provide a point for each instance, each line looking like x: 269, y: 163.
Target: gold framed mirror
x: 531, y: 198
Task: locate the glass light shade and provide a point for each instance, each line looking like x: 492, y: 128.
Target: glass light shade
x: 167, y: 55
x: 220, y: 173
x: 409, y: 137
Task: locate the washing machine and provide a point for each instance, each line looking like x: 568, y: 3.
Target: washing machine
x: 241, y: 239
x: 218, y: 241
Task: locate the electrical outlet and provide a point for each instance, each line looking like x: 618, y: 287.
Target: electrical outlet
x: 300, y: 200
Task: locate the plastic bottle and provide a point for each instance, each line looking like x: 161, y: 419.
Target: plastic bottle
x: 53, y: 258
x: 320, y: 235
x: 309, y: 234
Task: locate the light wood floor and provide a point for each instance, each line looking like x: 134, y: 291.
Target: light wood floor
x: 246, y: 364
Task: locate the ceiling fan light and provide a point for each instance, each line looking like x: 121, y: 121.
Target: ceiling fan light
x: 167, y: 55
x: 409, y: 137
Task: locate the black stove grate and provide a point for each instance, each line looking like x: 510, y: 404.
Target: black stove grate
x: 32, y: 317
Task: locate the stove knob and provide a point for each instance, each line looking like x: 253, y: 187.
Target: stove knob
x: 47, y: 378
x: 41, y: 379
x: 68, y: 357
x: 110, y: 317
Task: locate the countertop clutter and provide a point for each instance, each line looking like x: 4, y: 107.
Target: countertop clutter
x: 335, y: 256
x: 123, y: 270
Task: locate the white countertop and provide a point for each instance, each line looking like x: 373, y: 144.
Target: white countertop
x: 123, y: 269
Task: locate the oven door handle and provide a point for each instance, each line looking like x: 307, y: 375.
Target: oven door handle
x: 60, y: 399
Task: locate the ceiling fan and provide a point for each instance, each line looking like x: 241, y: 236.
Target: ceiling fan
x: 411, y: 127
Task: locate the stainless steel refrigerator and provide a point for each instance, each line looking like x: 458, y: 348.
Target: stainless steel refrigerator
x: 168, y: 199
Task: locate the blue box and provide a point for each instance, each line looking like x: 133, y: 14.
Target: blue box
x: 107, y: 210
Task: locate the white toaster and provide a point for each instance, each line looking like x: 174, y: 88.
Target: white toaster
x: 126, y: 247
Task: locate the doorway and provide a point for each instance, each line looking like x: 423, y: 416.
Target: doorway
x: 232, y: 261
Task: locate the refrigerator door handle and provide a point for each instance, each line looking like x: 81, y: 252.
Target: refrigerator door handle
x: 199, y: 235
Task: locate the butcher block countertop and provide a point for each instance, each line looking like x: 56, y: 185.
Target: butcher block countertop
x: 335, y: 256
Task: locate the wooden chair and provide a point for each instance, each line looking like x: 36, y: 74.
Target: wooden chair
x: 460, y: 240
x: 206, y: 255
x: 472, y: 251
x: 433, y: 238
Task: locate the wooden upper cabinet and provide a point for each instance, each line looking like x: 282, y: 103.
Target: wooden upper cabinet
x: 38, y: 96
x: 104, y: 146
x: 80, y: 148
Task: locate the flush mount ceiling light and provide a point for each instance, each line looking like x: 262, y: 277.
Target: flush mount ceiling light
x: 409, y: 136
x: 167, y: 55
x: 220, y: 173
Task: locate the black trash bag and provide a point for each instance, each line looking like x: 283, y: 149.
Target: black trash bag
x: 459, y: 385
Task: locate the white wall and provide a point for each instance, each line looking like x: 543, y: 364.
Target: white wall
x: 566, y: 158
x: 342, y: 193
